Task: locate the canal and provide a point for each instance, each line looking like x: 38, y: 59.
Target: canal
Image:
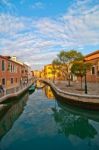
x: 37, y: 121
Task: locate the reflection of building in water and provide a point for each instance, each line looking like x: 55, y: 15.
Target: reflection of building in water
x: 48, y: 92
x: 39, y: 84
x: 11, y: 115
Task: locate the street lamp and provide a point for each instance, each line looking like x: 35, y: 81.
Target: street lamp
x: 85, y: 83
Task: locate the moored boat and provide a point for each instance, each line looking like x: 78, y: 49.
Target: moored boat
x: 32, y: 88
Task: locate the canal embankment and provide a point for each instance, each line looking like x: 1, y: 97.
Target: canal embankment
x: 86, y: 101
x: 14, y: 93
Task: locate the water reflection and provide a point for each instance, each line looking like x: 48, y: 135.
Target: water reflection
x: 70, y: 124
x: 76, y: 123
x: 48, y: 92
x: 39, y: 85
x: 47, y: 124
x: 10, y: 113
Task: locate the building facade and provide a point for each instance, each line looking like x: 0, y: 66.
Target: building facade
x: 52, y: 72
x: 93, y: 74
x: 10, y: 72
x: 13, y: 73
x: 36, y: 73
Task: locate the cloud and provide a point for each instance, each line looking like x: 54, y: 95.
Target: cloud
x: 7, y: 6
x: 10, y: 24
x: 39, y: 40
x: 38, y: 5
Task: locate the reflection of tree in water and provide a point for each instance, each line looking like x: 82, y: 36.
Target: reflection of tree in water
x: 70, y: 124
x: 11, y: 114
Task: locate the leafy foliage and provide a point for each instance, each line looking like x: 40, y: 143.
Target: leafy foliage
x: 65, y: 59
x: 79, y: 68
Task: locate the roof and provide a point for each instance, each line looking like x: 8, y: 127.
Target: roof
x: 8, y: 58
x: 92, y: 56
x: 93, y: 53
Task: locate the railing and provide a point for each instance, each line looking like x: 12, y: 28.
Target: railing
x: 14, y: 89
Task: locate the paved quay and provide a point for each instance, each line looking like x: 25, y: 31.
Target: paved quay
x: 92, y: 88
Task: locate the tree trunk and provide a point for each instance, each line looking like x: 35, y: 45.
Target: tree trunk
x: 69, y: 80
x: 54, y: 78
x: 81, y: 82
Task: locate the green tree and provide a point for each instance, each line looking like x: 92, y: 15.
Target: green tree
x: 79, y: 69
x: 65, y: 60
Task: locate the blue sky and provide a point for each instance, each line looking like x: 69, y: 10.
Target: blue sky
x: 37, y: 30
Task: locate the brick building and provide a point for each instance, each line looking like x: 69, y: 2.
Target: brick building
x: 93, y: 74
x: 10, y: 72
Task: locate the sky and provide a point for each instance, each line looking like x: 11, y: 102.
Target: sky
x: 37, y: 30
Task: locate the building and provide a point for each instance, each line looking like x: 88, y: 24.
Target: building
x: 10, y: 72
x: 36, y: 73
x: 52, y: 72
x: 48, y: 71
x: 26, y: 75
x: 42, y: 73
x: 14, y: 58
x: 93, y: 74
x: 29, y: 74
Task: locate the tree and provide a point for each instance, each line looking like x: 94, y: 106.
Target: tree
x: 79, y: 69
x: 65, y: 60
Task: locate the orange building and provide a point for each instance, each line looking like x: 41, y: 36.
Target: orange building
x: 10, y: 72
x: 93, y: 74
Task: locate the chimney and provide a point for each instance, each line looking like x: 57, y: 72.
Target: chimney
x: 13, y: 58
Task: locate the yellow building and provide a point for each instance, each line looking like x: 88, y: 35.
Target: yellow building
x: 52, y: 72
x: 42, y: 74
x: 48, y: 71
x: 36, y: 73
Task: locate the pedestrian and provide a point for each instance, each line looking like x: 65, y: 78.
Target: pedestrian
x: 1, y: 89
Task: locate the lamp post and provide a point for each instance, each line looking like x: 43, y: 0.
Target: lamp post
x: 85, y: 83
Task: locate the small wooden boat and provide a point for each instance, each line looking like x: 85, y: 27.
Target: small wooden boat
x: 32, y: 88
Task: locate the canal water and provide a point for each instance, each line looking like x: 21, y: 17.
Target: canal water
x: 37, y: 121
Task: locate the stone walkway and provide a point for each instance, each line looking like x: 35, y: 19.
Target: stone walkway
x: 92, y: 88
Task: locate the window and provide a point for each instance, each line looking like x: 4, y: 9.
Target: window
x: 11, y: 80
x: 93, y: 70
x: 22, y: 71
x: 11, y: 68
x: 8, y: 66
x: 3, y: 81
x: 3, y: 65
x: 16, y: 80
x: 16, y: 69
